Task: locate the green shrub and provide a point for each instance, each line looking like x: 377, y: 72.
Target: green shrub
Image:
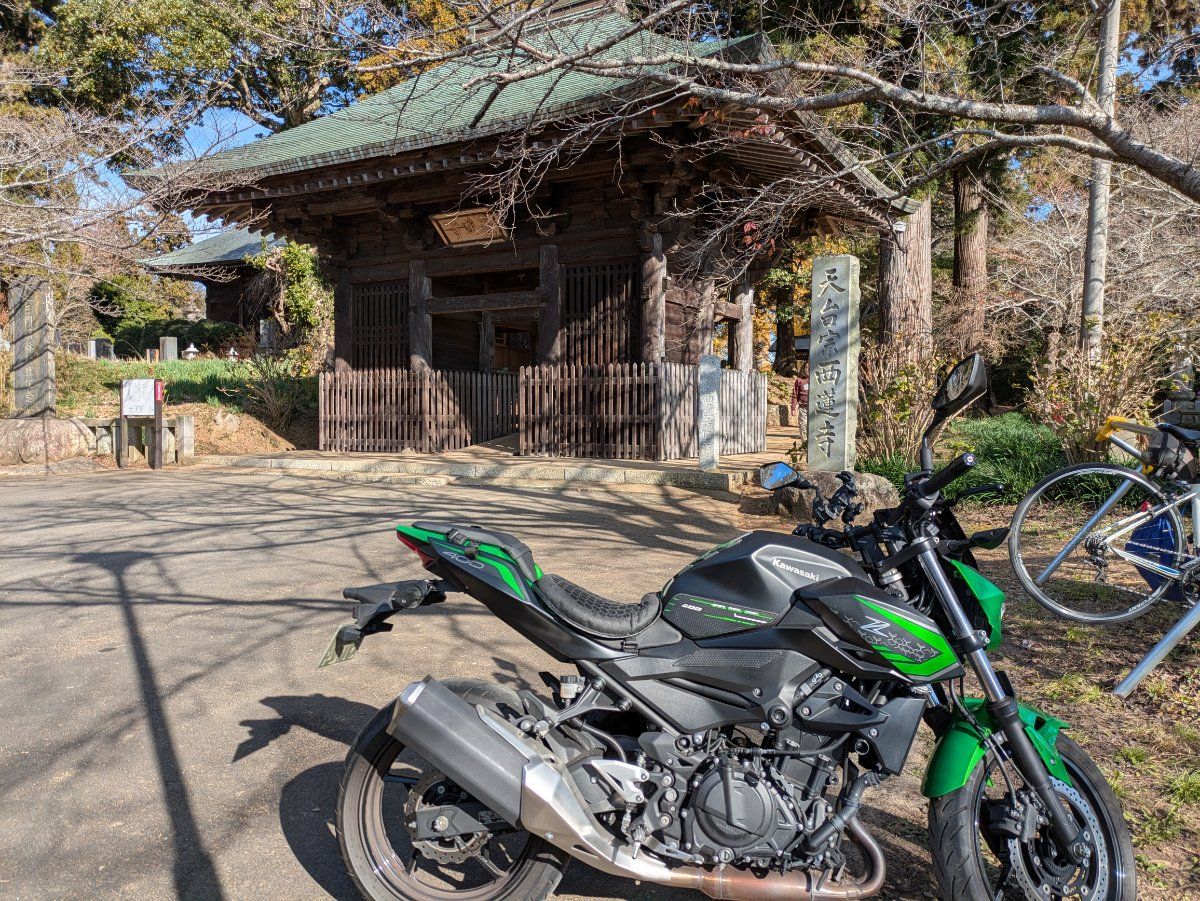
x: 274, y: 389
x: 135, y: 337
x: 1010, y: 449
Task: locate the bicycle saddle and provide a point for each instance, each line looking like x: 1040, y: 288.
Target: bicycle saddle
x: 1187, y: 436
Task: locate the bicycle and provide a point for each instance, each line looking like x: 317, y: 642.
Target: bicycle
x: 1101, y: 543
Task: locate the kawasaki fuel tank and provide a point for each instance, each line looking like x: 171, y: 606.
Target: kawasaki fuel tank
x: 749, y: 583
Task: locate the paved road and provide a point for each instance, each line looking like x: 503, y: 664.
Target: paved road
x: 165, y: 732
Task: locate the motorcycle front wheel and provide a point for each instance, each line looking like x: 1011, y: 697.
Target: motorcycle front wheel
x: 979, y: 856
x: 383, y: 790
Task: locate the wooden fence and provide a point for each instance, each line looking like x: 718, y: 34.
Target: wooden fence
x: 390, y: 410
x: 624, y: 411
x: 572, y: 410
x: 743, y: 412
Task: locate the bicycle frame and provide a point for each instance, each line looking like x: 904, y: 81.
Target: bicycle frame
x: 1191, y: 618
x: 1191, y: 498
x: 1188, y: 499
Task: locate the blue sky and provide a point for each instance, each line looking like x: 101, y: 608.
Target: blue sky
x: 218, y: 129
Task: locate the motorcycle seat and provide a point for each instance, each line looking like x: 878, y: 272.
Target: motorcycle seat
x: 1187, y: 436
x: 596, y: 615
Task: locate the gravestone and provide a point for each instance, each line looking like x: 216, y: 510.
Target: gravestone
x: 104, y: 349
x: 168, y: 348
x: 31, y: 305
x: 833, y: 364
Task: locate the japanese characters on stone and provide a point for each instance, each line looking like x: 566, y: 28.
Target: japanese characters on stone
x: 833, y: 364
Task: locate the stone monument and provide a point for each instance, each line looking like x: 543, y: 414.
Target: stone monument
x: 833, y: 364
x: 168, y: 348
x: 31, y: 305
x: 708, y: 422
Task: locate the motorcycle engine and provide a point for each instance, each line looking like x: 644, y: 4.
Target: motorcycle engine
x: 740, y: 810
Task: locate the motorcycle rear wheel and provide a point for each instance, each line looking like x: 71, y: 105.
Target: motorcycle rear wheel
x: 971, y: 860
x: 384, y: 862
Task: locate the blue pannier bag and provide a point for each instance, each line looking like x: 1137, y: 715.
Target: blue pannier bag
x: 1157, y: 533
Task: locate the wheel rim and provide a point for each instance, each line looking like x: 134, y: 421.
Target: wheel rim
x: 1007, y: 865
x: 396, y: 862
x: 1092, y: 583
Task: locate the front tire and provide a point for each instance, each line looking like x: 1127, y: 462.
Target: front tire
x: 382, y: 859
x: 972, y: 861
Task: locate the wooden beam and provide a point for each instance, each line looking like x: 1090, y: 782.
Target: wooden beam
x: 487, y: 343
x: 654, y: 302
x: 723, y: 309
x: 420, y: 324
x: 741, y: 332
x: 471, y: 303
x: 550, y: 321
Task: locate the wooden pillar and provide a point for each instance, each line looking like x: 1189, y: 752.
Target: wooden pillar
x: 549, y: 349
x: 706, y: 319
x: 343, y: 321
x: 487, y: 342
x: 420, y: 323
x: 654, y: 303
x: 741, y: 331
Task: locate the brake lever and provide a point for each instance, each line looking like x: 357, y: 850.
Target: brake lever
x: 989, y: 488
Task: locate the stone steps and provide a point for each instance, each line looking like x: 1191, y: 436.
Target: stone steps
x: 484, y: 473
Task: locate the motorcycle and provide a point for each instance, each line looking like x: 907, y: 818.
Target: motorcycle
x: 722, y: 733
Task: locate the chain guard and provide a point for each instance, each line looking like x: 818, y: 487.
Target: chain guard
x: 452, y: 849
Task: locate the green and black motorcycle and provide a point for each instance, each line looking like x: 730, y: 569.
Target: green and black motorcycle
x: 722, y: 734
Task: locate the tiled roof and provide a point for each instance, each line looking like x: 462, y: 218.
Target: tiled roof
x: 231, y: 246
x: 437, y: 107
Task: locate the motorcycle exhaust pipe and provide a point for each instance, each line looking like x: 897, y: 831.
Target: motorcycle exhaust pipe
x: 449, y: 733
x: 510, y: 776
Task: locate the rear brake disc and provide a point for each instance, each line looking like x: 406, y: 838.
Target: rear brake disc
x: 436, y: 790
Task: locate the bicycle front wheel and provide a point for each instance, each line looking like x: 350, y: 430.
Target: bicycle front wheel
x: 1073, y: 537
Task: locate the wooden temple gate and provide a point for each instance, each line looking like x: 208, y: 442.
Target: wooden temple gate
x: 634, y: 411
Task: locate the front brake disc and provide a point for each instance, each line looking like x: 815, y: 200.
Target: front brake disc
x: 1043, y: 876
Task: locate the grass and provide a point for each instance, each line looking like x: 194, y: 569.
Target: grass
x: 1074, y: 688
x: 1185, y: 788
x: 86, y: 386
x: 1133, y: 755
x: 83, y: 382
x: 1010, y: 449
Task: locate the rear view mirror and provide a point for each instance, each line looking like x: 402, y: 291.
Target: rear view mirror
x: 966, y: 383
x: 777, y: 475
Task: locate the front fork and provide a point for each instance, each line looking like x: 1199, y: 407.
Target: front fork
x: 1003, y: 708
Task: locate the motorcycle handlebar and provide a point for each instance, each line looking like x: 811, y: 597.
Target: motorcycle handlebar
x: 955, y: 469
